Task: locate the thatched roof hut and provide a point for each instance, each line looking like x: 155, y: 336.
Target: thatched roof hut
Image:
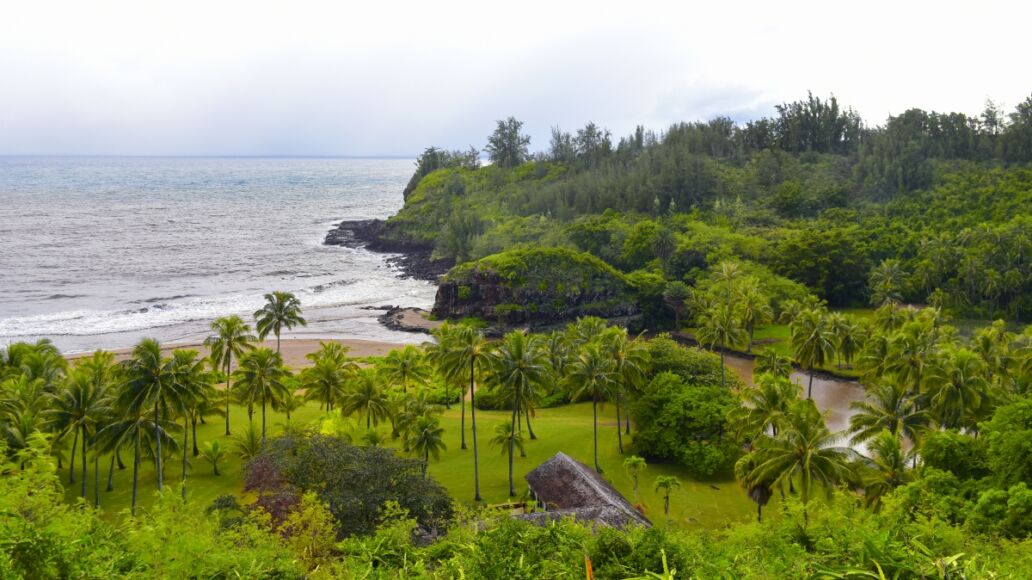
x: 566, y: 487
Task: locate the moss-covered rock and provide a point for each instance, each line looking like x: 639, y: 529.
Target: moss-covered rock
x: 536, y: 286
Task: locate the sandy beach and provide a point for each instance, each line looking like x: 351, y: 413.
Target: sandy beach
x: 293, y: 350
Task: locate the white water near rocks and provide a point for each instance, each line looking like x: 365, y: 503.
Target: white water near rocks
x: 100, y: 252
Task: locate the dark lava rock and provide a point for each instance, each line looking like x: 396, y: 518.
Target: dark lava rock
x: 413, y: 259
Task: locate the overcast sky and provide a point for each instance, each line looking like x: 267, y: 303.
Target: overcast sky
x: 327, y: 78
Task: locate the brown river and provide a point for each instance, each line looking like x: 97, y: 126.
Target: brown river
x: 832, y: 396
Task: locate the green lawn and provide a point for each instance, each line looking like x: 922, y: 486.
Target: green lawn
x: 706, y: 503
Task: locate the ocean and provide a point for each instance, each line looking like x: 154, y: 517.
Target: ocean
x: 99, y: 252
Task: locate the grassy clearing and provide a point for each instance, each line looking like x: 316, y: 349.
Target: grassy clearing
x: 700, y: 502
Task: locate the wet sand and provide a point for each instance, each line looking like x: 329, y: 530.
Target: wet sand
x: 293, y: 350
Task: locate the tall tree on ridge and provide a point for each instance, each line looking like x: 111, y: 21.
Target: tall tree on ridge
x: 508, y: 146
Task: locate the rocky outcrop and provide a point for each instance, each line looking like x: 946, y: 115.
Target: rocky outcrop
x: 414, y: 259
x: 535, y: 287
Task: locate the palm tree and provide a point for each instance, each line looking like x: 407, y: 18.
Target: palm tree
x: 721, y: 328
x: 427, y: 439
x: 149, y: 382
x: 812, y: 342
x: 437, y: 353
x: 727, y: 272
x: 630, y: 363
x: 232, y: 338
x: 84, y: 403
x: 468, y: 349
x: 884, y: 468
x: 956, y: 385
x: 516, y: 366
x: 593, y: 374
x: 886, y: 283
x: 666, y: 484
x: 247, y: 444
x: 366, y: 396
x: 766, y: 406
x: 774, y: 364
x: 327, y: 379
x: 753, y: 310
x: 281, y: 310
x: 504, y: 436
x: 213, y: 453
x: 909, y: 352
x: 664, y: 244
x: 288, y: 400
x: 186, y: 386
x: 260, y: 378
x: 803, y: 453
x: 846, y: 331
x: 205, y: 404
x: 405, y: 365
x: 889, y: 407
x: 676, y: 296
x: 135, y: 425
x: 758, y: 491
x: 634, y: 466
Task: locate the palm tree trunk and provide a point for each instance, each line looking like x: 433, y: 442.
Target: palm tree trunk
x: 277, y: 342
x: 186, y: 437
x: 426, y: 461
x: 196, y: 451
x: 229, y: 365
x: 96, y: 478
x: 157, y: 439
x: 263, y: 418
x: 84, y: 464
x: 627, y: 422
x: 759, y: 512
x: 368, y: 414
x: 809, y: 389
x: 666, y: 506
x: 529, y: 428
x: 462, y: 401
x: 619, y: 436
x: 473, y: 417
x: 723, y: 370
x: 71, y: 459
x: 512, y: 442
x: 118, y: 457
x: 111, y: 476
x: 136, y: 468
x: 752, y: 331
x: 594, y: 428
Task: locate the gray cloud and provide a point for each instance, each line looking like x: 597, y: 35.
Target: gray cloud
x: 326, y: 79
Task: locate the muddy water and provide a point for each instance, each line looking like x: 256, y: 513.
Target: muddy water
x: 831, y: 396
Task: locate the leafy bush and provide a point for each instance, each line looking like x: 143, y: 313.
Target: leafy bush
x: 685, y: 422
x: 355, y: 482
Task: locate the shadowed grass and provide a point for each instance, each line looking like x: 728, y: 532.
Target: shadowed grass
x: 706, y: 503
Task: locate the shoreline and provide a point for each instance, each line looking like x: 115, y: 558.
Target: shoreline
x: 292, y: 349
x: 413, y: 260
